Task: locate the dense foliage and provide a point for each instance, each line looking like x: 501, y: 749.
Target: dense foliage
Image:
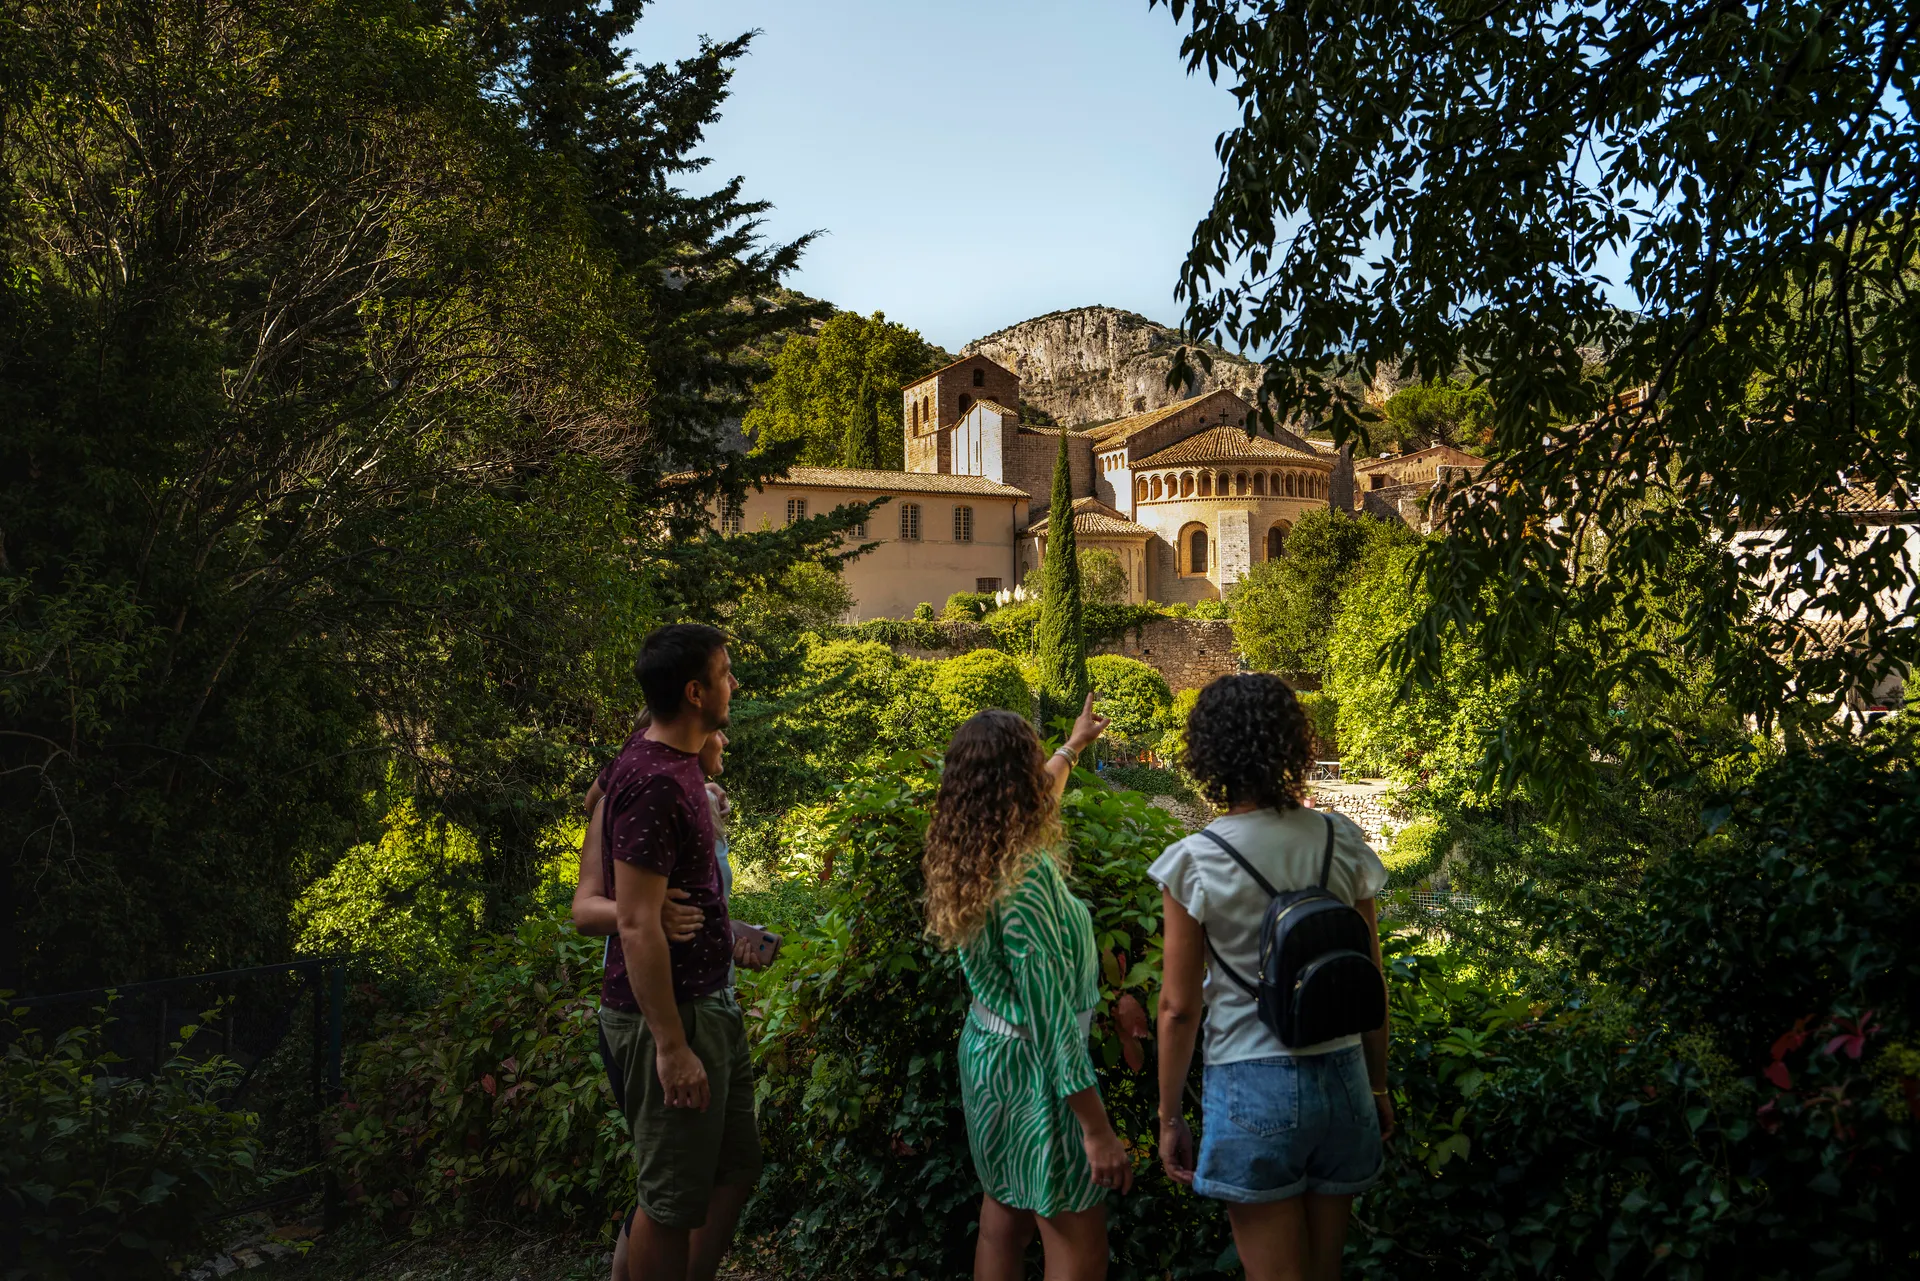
x: 1442, y: 411
x: 106, y: 1176
x: 1133, y: 696
x: 1283, y: 609
x: 344, y: 351
x: 1436, y: 191
x: 837, y: 392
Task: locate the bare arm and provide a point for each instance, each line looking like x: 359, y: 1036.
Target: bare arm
x: 1183, y: 963
x: 592, y: 911
x: 1374, y: 1043
x: 638, y: 896
x: 1090, y: 726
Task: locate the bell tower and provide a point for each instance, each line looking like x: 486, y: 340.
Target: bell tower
x: 930, y: 407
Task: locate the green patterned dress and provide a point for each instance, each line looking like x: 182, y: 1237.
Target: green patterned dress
x: 1033, y: 970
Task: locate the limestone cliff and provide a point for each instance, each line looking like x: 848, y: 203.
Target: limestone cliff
x: 1093, y: 364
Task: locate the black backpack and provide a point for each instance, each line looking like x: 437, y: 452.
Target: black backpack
x: 1317, y: 976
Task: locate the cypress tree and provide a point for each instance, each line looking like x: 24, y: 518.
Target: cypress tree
x: 860, y: 445
x: 1061, y: 642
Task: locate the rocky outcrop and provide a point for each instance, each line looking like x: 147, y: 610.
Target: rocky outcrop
x: 1094, y: 364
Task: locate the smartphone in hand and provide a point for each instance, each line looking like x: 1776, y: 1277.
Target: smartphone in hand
x: 762, y: 945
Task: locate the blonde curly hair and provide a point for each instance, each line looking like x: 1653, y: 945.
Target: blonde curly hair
x: 994, y: 814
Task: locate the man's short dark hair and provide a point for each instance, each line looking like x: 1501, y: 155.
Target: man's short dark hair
x: 671, y: 656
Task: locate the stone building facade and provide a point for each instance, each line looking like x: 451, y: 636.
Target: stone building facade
x: 1183, y: 494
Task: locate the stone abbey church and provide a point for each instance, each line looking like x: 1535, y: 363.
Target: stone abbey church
x: 1185, y: 498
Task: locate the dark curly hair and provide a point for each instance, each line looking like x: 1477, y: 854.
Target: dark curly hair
x: 1248, y: 739
x: 994, y: 813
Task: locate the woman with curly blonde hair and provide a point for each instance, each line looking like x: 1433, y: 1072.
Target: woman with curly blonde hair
x: 1042, y: 1145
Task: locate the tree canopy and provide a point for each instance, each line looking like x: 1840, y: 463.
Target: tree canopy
x: 1283, y: 610
x: 346, y: 352
x: 1440, y: 190
x: 837, y: 393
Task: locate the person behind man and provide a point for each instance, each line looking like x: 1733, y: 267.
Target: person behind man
x: 1288, y: 1136
x: 667, y: 1009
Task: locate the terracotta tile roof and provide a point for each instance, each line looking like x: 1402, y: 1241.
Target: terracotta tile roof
x: 1091, y: 516
x: 1121, y: 428
x: 1030, y: 429
x: 904, y: 482
x: 954, y: 364
x: 1229, y: 444
x: 1467, y: 460
x: 1859, y: 498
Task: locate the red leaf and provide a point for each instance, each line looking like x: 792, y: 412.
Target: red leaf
x: 1853, y: 1045
x: 1778, y: 1074
x: 1132, y: 1019
x: 1789, y: 1043
x: 488, y: 1084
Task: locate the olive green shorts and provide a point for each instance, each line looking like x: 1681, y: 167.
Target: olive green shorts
x: 683, y: 1154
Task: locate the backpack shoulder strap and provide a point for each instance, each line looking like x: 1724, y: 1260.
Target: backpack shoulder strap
x: 1326, y: 860
x: 1226, y: 969
x: 1247, y: 867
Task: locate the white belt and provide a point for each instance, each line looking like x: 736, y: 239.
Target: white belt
x: 991, y: 1022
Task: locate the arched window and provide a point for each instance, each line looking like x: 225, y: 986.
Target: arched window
x: 1186, y: 484
x: 966, y: 403
x: 1223, y: 484
x: 1197, y: 552
x: 1276, y: 542
x: 1155, y: 487
x: 979, y: 377
x: 1289, y: 485
x: 1260, y: 482
x: 1240, y: 485
x: 1206, y: 484
x: 1140, y: 490
x: 909, y: 522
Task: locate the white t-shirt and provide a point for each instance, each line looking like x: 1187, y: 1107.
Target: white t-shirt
x: 1217, y: 892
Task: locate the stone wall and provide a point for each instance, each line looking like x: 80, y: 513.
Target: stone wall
x: 1189, y: 652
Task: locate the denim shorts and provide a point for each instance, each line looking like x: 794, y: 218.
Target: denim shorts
x: 1275, y: 1128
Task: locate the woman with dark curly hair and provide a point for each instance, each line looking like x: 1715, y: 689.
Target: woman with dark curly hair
x: 1042, y: 1145
x: 1288, y: 1135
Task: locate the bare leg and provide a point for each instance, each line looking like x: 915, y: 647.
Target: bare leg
x: 1000, y: 1253
x: 1076, y: 1245
x: 1327, y: 1219
x: 1272, y: 1239
x: 655, y: 1253
x: 620, y: 1256
x: 711, y: 1239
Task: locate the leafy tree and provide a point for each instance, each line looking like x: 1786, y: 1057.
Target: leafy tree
x: 1757, y: 172
x: 972, y: 683
x: 837, y: 393
x: 1061, y: 644
x: 1103, y: 579
x: 1283, y: 610
x: 361, y: 475
x: 1439, y: 412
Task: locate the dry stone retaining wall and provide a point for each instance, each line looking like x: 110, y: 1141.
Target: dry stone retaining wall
x: 1189, y: 652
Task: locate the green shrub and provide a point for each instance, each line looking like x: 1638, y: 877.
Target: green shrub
x: 967, y: 607
x: 924, y: 611
x: 1215, y: 609
x: 1726, y: 1083
x: 1416, y: 852
x: 972, y: 683
x: 1133, y: 694
x: 1151, y: 780
x: 1174, y: 745
x: 869, y: 1173
x: 917, y: 633
x: 492, y: 1100
x: 1323, y: 712
x: 107, y: 1176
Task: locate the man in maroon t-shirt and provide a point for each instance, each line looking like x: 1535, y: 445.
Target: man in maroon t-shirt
x: 678, y: 1039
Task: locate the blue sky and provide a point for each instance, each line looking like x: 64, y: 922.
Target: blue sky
x: 971, y: 164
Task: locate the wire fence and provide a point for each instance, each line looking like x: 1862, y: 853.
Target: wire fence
x: 284, y: 1025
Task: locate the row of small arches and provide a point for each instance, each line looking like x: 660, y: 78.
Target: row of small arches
x: 1207, y: 484
x: 1193, y: 548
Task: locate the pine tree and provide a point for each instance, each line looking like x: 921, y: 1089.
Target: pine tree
x: 1062, y: 643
